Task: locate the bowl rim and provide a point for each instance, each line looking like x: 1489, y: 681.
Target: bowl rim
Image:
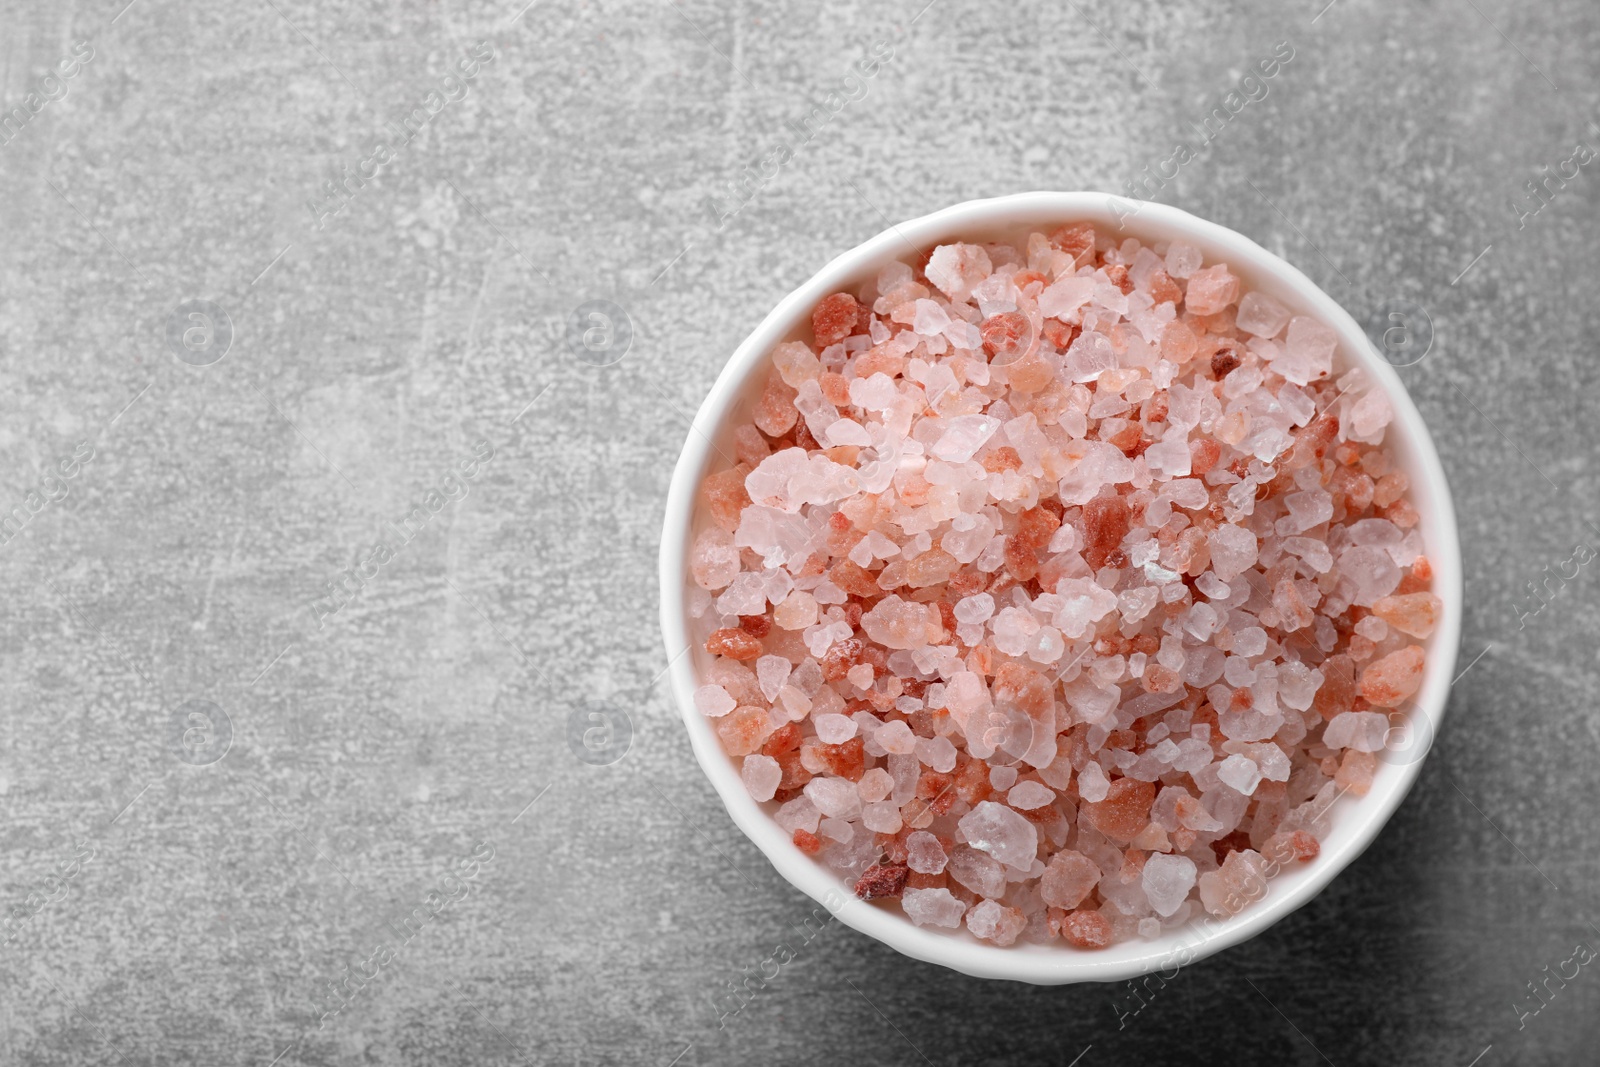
x: 1055, y: 964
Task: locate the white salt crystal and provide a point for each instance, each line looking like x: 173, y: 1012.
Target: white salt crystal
x: 979, y: 872
x: 963, y: 436
x: 1093, y: 783
x: 1167, y: 881
x: 1028, y: 795
x: 771, y: 673
x: 1240, y: 773
x: 1001, y: 832
x: 761, y: 775
x: 834, y: 797
x: 882, y: 817
x: 834, y: 729
x: 896, y: 737
x: 713, y: 701
x: 1364, y: 731
x: 933, y: 907
x: 1261, y: 315
x: 798, y: 814
x: 1233, y: 550
x: 937, y: 752
x: 924, y: 853
x: 840, y: 830
x: 955, y: 269
x: 1183, y: 259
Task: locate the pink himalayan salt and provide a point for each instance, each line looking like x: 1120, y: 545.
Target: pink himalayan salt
x: 1411, y: 613
x: 995, y: 922
x: 1069, y: 878
x: 1211, y: 289
x: 933, y: 907
x: 1389, y: 681
x: 924, y: 506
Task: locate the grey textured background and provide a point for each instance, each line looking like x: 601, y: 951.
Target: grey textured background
x: 372, y: 749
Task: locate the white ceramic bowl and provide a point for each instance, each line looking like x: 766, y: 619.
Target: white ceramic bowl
x: 1355, y: 821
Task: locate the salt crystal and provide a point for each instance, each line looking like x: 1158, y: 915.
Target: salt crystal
x: 1001, y: 832
x: 995, y: 922
x: 1364, y: 731
x: 713, y: 701
x: 1002, y: 777
x: 1240, y: 773
x: 834, y: 797
x: 924, y: 853
x: 834, y: 729
x: 1028, y: 795
x: 933, y: 907
x: 882, y: 817
x: 761, y: 775
x: 798, y: 814
x: 1183, y: 259
x: 978, y: 872
x: 1093, y: 785
x: 955, y: 269
x: 1167, y: 881
x: 1261, y: 315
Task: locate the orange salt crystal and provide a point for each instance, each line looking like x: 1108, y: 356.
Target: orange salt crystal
x: 1105, y: 524
x: 1124, y: 811
x: 1388, y: 681
x: 733, y: 643
x: 808, y: 843
x: 1086, y: 929
x: 1415, y: 614
x: 834, y: 319
x: 725, y: 496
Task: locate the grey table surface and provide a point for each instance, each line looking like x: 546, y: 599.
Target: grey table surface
x: 225, y: 788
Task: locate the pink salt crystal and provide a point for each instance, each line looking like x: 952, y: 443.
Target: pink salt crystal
x: 1388, y: 682
x: 761, y: 775
x: 924, y: 853
x: 1211, y: 289
x: 796, y: 363
x: 955, y: 269
x: 1311, y: 343
x: 896, y: 737
x: 1068, y: 880
x: 798, y: 610
x: 875, y: 785
x: 1237, y: 883
x: 995, y: 922
x: 1166, y: 881
x: 713, y: 701
x: 1261, y: 315
x: 1028, y: 795
x: 933, y: 907
x: 897, y: 623
x: 714, y: 561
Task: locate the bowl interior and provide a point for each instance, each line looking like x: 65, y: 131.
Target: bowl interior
x: 1354, y: 821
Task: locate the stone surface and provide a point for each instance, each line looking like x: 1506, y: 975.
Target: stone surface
x: 171, y: 907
